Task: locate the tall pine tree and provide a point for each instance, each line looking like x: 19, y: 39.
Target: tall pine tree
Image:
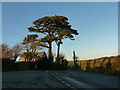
x: 53, y: 28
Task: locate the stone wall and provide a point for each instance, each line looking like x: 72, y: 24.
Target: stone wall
x: 105, y: 63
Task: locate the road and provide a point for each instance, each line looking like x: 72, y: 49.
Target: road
x: 58, y: 79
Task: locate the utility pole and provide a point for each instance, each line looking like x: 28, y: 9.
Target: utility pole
x: 74, y: 58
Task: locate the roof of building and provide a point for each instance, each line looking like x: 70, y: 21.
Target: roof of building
x: 41, y: 54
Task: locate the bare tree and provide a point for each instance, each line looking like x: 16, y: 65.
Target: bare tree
x: 5, y: 50
x: 15, y: 50
x: 31, y: 46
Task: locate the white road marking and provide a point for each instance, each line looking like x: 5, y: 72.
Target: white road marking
x: 62, y: 81
x: 78, y: 83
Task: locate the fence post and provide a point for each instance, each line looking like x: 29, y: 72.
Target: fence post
x: 74, y: 58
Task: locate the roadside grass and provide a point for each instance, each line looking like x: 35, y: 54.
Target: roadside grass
x: 70, y: 64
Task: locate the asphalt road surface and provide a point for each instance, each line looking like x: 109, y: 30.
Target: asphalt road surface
x: 58, y: 79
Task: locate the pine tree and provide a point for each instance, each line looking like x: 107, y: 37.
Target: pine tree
x: 53, y: 28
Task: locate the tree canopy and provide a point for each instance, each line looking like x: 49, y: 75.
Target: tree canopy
x: 31, y: 45
x: 53, y: 28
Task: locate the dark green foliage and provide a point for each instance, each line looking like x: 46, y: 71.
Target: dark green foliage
x: 8, y: 64
x: 45, y: 64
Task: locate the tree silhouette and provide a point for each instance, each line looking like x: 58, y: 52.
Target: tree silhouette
x: 64, y: 32
x: 5, y: 50
x: 53, y: 28
x: 15, y: 51
x: 31, y: 45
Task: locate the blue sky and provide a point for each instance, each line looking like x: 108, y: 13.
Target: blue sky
x: 97, y: 23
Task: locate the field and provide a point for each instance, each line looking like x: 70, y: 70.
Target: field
x: 70, y: 64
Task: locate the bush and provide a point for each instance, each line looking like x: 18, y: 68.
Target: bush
x: 8, y: 65
x: 45, y: 64
x: 99, y: 69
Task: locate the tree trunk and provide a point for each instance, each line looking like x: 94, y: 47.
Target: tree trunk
x: 50, y: 51
x: 58, y: 52
x: 25, y: 58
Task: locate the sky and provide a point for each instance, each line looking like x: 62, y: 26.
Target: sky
x: 96, y: 22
